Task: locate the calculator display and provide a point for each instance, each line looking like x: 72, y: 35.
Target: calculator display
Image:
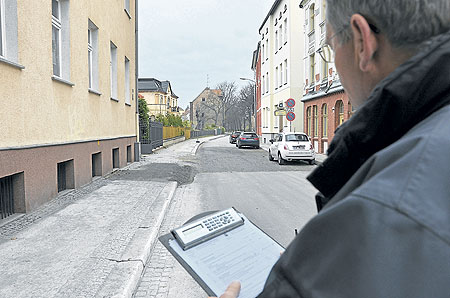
x: 193, y: 229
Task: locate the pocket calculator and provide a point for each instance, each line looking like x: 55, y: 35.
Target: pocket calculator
x: 207, y: 227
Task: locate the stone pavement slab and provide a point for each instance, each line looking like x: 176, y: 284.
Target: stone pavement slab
x: 94, y: 247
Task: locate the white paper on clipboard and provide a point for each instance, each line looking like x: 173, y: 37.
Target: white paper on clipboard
x: 245, y: 254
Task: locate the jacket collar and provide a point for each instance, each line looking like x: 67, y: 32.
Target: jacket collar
x: 408, y: 95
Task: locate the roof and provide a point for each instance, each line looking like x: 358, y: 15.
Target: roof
x: 274, y: 6
x: 154, y: 85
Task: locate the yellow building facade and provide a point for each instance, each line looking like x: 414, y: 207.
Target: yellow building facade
x: 159, y: 96
x: 68, y: 108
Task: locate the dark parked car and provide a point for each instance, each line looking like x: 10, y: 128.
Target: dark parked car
x: 234, y: 136
x: 250, y: 139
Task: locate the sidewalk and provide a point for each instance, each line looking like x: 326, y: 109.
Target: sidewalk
x: 319, y: 157
x: 89, y: 242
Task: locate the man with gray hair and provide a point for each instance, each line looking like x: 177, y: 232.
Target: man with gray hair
x: 383, y: 229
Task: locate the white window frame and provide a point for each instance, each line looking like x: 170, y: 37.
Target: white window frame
x: 263, y: 85
x: 267, y: 49
x: 127, y: 82
x: 285, y: 71
x: 276, y: 41
x: 2, y: 29
x: 281, y: 36
x: 57, y: 25
x: 113, y: 71
x: 285, y: 31
x: 281, y: 74
x: 276, y: 77
x: 93, y: 56
x: 267, y: 83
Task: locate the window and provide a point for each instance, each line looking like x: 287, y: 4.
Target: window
x: 308, y: 121
x: 127, y: 7
x: 93, y: 55
x: 161, y: 99
x: 312, y: 69
x: 267, y: 49
x: 276, y: 41
x: 127, y: 82
x: 203, y: 99
x: 61, y: 39
x: 56, y: 37
x: 113, y: 71
x: 262, y: 53
x: 311, y: 18
x: 281, y: 74
x: 324, y: 69
x: 340, y: 112
x: 263, y: 85
x: 267, y: 83
x: 281, y: 36
x: 285, y: 31
x: 324, y: 120
x: 324, y: 7
x: 316, y: 121
x: 285, y: 72
x: 276, y: 77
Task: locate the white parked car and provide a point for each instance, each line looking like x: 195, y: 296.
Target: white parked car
x: 291, y: 146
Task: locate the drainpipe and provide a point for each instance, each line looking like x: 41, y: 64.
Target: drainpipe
x: 137, y: 144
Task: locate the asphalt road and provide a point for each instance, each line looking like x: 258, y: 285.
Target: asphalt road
x: 277, y: 198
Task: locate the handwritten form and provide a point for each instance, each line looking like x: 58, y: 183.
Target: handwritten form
x: 245, y: 254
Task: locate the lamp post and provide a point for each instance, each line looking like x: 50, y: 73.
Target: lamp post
x: 254, y: 99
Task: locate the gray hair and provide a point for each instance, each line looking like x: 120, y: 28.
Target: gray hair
x: 405, y: 23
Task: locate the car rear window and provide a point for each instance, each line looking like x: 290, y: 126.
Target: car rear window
x: 249, y: 135
x: 296, y: 138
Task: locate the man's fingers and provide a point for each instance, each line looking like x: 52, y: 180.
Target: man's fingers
x: 232, y: 291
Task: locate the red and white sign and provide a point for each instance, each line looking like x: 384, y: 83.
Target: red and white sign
x: 290, y: 103
x: 290, y: 116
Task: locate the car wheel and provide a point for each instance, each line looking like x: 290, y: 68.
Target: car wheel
x: 281, y: 161
x: 257, y: 147
x: 312, y: 161
x: 239, y: 146
x: 236, y: 144
x: 270, y: 156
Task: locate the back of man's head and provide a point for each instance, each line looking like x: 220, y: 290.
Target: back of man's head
x: 405, y: 23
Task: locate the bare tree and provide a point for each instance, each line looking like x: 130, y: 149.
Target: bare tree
x: 228, y: 99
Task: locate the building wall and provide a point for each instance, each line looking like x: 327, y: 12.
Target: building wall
x: 206, y: 116
x: 277, y: 88
x: 316, y: 133
x: 258, y: 95
x: 39, y: 110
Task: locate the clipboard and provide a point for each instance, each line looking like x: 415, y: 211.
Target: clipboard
x: 243, y: 252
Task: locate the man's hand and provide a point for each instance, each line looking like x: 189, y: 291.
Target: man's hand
x: 232, y: 291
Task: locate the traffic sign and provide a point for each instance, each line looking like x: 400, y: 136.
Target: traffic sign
x: 290, y: 116
x: 290, y: 103
x: 280, y: 113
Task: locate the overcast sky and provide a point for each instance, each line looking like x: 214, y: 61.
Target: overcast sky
x: 184, y: 41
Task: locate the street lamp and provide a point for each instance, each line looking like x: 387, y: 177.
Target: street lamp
x: 254, y: 99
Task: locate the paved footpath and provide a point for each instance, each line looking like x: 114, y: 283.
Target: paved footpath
x: 91, y: 242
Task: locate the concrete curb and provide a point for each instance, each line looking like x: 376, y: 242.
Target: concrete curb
x: 194, y: 151
x: 125, y: 277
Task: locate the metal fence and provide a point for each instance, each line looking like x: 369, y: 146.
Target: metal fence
x: 6, y: 197
x: 151, y: 135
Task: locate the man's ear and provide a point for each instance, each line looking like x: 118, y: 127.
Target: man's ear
x: 364, y: 41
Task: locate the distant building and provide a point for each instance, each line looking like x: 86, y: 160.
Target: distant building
x: 282, y: 44
x: 205, y: 109
x: 326, y: 105
x: 159, y: 96
x: 186, y: 115
x: 68, y: 108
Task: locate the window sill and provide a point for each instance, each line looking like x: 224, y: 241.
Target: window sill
x: 280, y: 48
x: 58, y: 79
x: 285, y: 42
x: 94, y: 92
x: 276, y: 52
x: 285, y: 83
x: 128, y: 13
x: 13, y: 64
x: 114, y: 99
x: 128, y: 104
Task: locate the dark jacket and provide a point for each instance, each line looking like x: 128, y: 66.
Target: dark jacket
x: 385, y: 231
